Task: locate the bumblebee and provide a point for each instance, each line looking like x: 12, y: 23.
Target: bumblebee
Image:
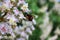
x: 29, y: 17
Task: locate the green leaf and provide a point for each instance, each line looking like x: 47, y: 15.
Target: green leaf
x: 36, y: 34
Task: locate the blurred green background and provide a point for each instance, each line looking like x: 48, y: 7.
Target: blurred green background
x: 54, y: 16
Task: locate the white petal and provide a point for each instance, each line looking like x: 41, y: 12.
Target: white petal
x: 28, y: 30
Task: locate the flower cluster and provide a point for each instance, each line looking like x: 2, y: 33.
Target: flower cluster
x: 15, y: 21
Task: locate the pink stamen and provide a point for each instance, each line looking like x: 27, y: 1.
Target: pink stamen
x: 3, y: 29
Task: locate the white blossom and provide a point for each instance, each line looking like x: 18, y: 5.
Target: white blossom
x: 21, y: 39
x: 28, y: 30
x: 34, y: 22
x: 25, y: 7
x: 20, y: 2
x: 16, y: 12
x: 23, y: 34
